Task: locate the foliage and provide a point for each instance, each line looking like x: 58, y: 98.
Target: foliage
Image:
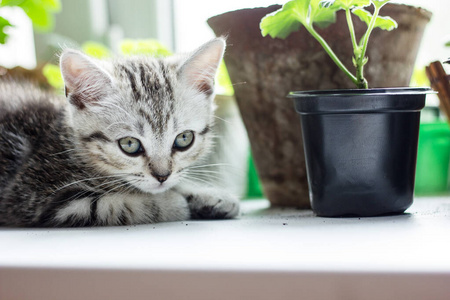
x: 144, y: 47
x: 96, y: 50
x: 40, y: 12
x: 309, y: 13
x: 419, y: 77
x: 3, y: 25
x: 224, y: 85
x: 53, y: 76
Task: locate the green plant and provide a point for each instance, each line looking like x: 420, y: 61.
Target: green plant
x: 224, y: 85
x: 419, y: 78
x: 40, y: 12
x: 308, y: 13
x: 144, y: 47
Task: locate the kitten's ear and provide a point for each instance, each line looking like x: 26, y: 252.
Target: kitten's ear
x: 200, y: 68
x: 85, y: 81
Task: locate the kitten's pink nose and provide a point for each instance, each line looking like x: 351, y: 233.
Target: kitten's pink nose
x: 161, y: 178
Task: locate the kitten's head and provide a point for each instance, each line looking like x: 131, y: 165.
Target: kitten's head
x: 141, y: 118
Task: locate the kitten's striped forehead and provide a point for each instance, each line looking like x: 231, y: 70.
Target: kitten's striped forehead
x: 150, y: 85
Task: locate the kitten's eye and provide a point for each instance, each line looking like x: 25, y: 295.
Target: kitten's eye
x: 130, y: 145
x: 183, y: 140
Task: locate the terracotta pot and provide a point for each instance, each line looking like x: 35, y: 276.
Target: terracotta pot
x: 265, y: 70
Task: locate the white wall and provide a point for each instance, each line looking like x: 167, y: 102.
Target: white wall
x: 191, y: 29
x: 437, y: 32
x: 19, y: 50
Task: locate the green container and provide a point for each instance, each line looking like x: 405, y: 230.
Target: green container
x: 433, y: 156
x: 254, y: 190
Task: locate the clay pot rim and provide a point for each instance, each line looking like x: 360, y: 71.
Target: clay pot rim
x: 420, y: 10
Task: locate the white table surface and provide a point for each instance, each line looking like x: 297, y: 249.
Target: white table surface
x: 265, y: 254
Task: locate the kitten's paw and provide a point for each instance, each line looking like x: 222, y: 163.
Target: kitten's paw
x: 213, y: 205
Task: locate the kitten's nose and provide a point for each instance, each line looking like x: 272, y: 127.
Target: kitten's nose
x: 161, y: 178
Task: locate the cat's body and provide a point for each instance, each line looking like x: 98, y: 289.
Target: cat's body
x: 118, y: 151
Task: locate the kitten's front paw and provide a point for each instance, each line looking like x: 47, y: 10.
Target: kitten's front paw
x: 213, y: 205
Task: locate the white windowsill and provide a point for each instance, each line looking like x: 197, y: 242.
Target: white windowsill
x: 266, y: 254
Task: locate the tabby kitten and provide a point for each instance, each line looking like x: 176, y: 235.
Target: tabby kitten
x: 119, y: 151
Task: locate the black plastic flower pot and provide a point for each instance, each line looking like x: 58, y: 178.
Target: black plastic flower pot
x: 360, y: 149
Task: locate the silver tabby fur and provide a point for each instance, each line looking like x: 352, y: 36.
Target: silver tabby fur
x: 60, y: 160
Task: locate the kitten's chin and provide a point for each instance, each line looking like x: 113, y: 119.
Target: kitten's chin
x: 154, y: 188
x: 159, y: 189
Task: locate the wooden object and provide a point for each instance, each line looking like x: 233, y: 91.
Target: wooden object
x: 440, y: 82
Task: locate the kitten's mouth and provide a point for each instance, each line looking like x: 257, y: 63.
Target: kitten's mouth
x: 152, y: 187
x: 161, y: 187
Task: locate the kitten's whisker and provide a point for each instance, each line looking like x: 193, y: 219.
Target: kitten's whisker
x: 88, y: 179
x: 75, y: 197
x: 110, y: 183
x: 118, y: 107
x: 238, y: 83
x: 111, y: 190
x: 116, y: 123
x: 209, y: 165
x: 70, y: 150
x: 201, y: 180
x: 200, y: 171
x: 223, y: 120
x: 205, y: 172
x: 189, y: 180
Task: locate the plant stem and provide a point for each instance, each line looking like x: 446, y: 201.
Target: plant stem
x: 332, y: 55
x: 361, y: 82
x: 364, y: 42
x: 351, y: 28
x: 369, y: 31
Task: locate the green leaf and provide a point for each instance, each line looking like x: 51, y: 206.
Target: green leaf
x: 379, y: 3
x: 326, y: 3
x: 96, y: 50
x: 385, y: 23
x: 3, y: 24
x: 295, y: 13
x: 11, y: 2
x: 365, y: 61
x: 41, y: 18
x: 224, y: 85
x: 286, y: 20
x: 145, y: 47
x: 53, y: 76
x: 51, y: 5
x: 419, y: 77
x: 355, y: 63
x: 40, y: 12
x: 322, y: 16
x: 447, y: 44
x: 344, y: 4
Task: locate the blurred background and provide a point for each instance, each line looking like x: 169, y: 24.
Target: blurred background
x: 178, y: 24
x: 32, y: 33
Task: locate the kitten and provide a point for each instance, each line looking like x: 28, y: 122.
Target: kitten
x: 119, y: 151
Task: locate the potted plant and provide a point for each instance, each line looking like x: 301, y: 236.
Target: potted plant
x: 360, y: 144
x: 264, y: 70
